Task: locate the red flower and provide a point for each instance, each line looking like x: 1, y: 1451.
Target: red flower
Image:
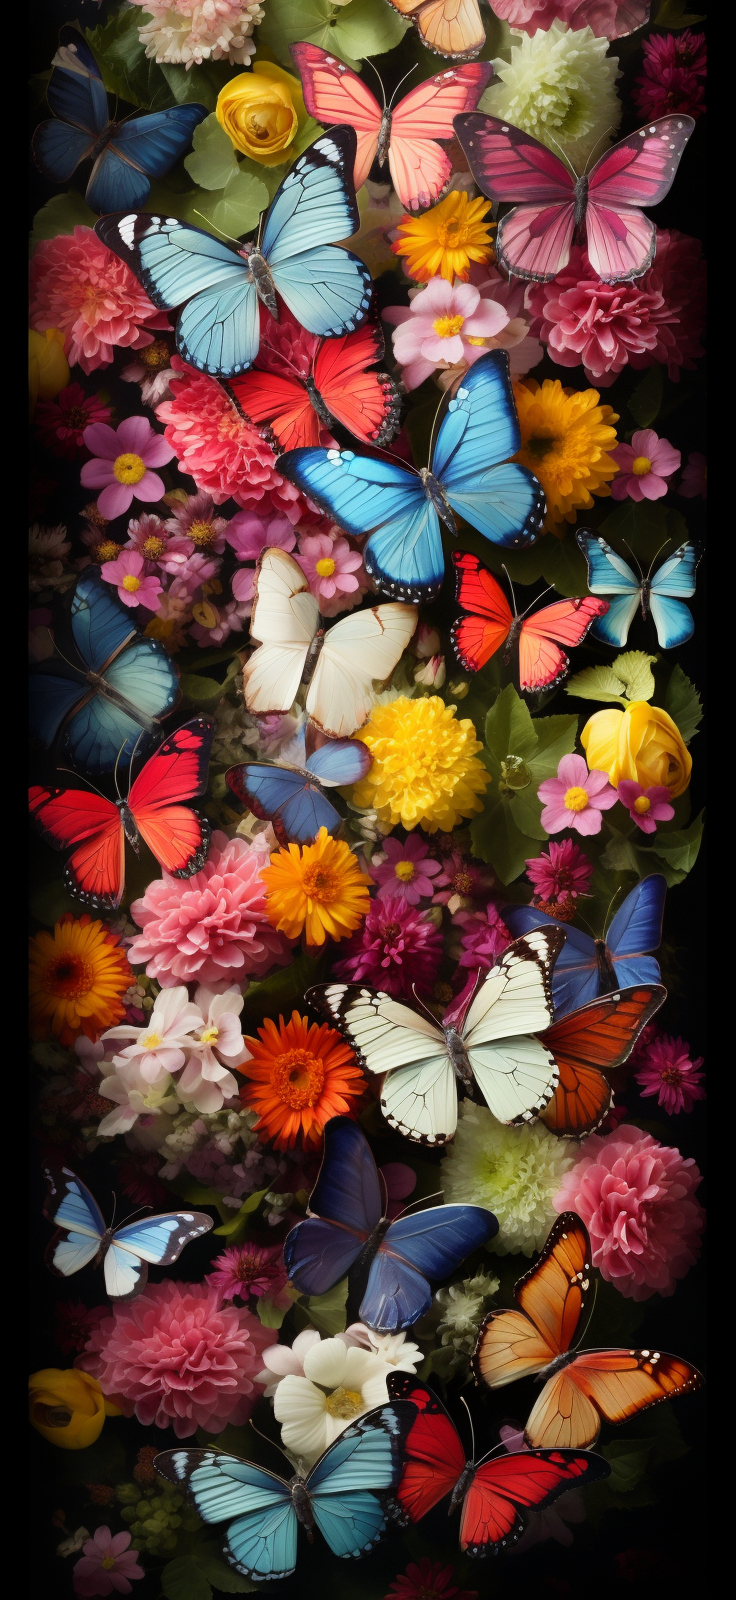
x: 428, y: 1580
x: 61, y: 422
x: 674, y: 65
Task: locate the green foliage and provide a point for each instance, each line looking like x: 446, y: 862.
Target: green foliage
x: 61, y: 214
x: 361, y: 28
x: 199, y: 690
x: 641, y: 528
x: 213, y: 160
x: 521, y: 751
x: 202, y: 1569
x: 674, y: 14
x: 627, y: 678
x: 233, y: 210
x: 646, y: 400
x: 326, y: 1312
x: 682, y: 703
x: 283, y: 990
x: 235, y: 1226
x: 127, y: 72
x: 671, y: 851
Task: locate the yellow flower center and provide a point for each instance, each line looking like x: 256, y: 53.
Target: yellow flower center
x: 448, y: 327
x: 129, y: 468
x: 452, y: 235
x: 155, y: 355
x: 344, y: 1403
x: 405, y: 871
x: 107, y: 551
x: 298, y: 1077
x: 320, y: 883
x: 576, y: 799
x: 641, y: 466
x: 131, y: 583
x: 209, y: 1036
x: 471, y: 339
x: 108, y: 1563
x: 325, y: 567
x: 151, y: 1040
x: 153, y: 547
x: 201, y: 534
x: 67, y: 976
x: 642, y: 805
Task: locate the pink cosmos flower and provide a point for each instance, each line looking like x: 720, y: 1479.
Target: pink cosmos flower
x: 407, y: 871
x: 81, y: 287
x: 135, y: 587
x: 636, y: 1198
x: 674, y: 66
x: 562, y: 872
x: 665, y: 1069
x: 61, y: 422
x: 485, y: 937
x: 196, y: 523
x: 608, y: 19
x: 249, y: 535
x: 644, y: 467
x: 330, y: 565
x: 122, y: 460
x: 106, y: 1564
x: 646, y: 807
x: 250, y: 1269
x: 437, y: 328
x: 394, y: 949
x: 694, y: 480
x: 575, y: 798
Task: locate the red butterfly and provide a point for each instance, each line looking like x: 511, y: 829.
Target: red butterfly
x: 157, y: 808
x: 601, y: 209
x: 587, y: 1043
x: 490, y: 623
x: 494, y: 1494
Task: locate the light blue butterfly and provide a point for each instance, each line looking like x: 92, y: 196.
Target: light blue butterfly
x: 402, y: 509
x: 327, y: 290
x: 293, y: 798
x: 126, y: 1251
x: 663, y: 595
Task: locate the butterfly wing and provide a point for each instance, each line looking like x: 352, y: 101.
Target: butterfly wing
x: 344, y: 1206
x: 77, y: 1217
x: 534, y: 240
x: 478, y: 431
x: 280, y: 402
x: 481, y: 632
x: 587, y: 1043
x: 505, y: 1488
x: 672, y: 583
x: 426, y: 1245
x: 59, y: 149
x: 156, y: 1240
x: 77, y: 98
x: 615, y: 1384
x: 367, y: 403
x: 327, y: 290
x: 95, y: 871
x: 362, y: 648
x: 542, y: 664
x: 284, y: 622
x: 420, y: 168
x: 138, y: 151
x: 333, y: 93
x: 340, y: 761
x: 296, y: 808
x: 347, y: 1486
x: 551, y: 1298
x: 575, y: 979
x: 448, y: 27
x: 433, y: 1452
x: 610, y: 575
x: 261, y: 1540
x: 636, y: 930
x: 639, y: 171
x: 175, y: 775
x: 515, y: 1073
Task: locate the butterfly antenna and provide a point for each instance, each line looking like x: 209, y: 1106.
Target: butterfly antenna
x: 511, y: 589
x: 565, y: 158
x: 434, y: 425
x: 272, y: 1442
x: 61, y: 653
x: 132, y: 758
x: 654, y: 557
x: 368, y: 63
x: 495, y: 1450
x: 589, y: 1318
x: 114, y: 1206
x: 398, y: 86
x: 537, y: 597
x: 420, y: 1202
x: 424, y: 1007
x: 608, y: 912
x: 635, y: 557
x: 229, y: 236
x: 115, y: 769
x: 472, y: 1429
x: 595, y: 147
x: 73, y: 774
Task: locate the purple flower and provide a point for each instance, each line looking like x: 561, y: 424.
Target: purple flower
x: 121, y: 466
x: 560, y: 873
x: 485, y: 936
x: 575, y: 798
x: 407, y: 871
x: 395, y: 949
x: 666, y: 1070
x: 250, y: 1269
x: 644, y: 467
x: 646, y: 807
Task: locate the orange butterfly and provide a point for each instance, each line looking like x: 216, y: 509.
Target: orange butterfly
x: 588, y: 1042
x: 581, y: 1388
x: 449, y: 27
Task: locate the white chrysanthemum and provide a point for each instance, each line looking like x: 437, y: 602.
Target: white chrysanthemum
x: 192, y: 31
x: 514, y: 1172
x: 559, y: 87
x: 463, y: 1306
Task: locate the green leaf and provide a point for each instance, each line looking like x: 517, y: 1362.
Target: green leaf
x: 269, y: 1314
x: 633, y: 667
x: 236, y: 1226
x: 641, y: 528
x: 645, y: 402
x: 213, y: 160
x: 62, y: 214
x: 497, y: 839
x: 682, y: 703
x: 521, y: 752
x: 555, y: 739
x: 509, y: 728
x: 199, y: 689
x: 361, y: 28
x: 233, y: 210
x: 596, y: 683
x: 326, y: 1312
x: 627, y: 1459
x: 282, y: 990
x: 680, y: 848
x: 219, y: 1573
x: 564, y: 565
x: 672, y: 14
x: 126, y: 70
x: 183, y: 1579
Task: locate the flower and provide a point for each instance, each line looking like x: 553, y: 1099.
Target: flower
x: 428, y: 1580
x: 559, y: 874
x: 78, y: 976
x: 220, y: 451
x: 159, y: 1048
x: 396, y: 949
x: 339, y: 1384
x: 393, y: 1348
x: 636, y: 1198
x: 575, y: 798
x: 606, y: 326
x: 330, y: 566
x: 174, y: 1357
x: 673, y: 65
x: 249, y: 1269
x: 317, y: 889
x: 407, y: 871
x: 646, y: 807
x: 485, y: 937
x: 213, y: 926
x: 70, y: 1546
x: 425, y: 770
x: 444, y: 324
x: 133, y: 1097
x: 61, y: 422
x: 664, y: 1068
x: 106, y: 1565
x: 641, y: 743
x: 565, y: 435
x: 153, y: 371
x: 193, y: 31
x: 47, y: 551
x: 195, y: 524
x: 694, y: 480
x: 67, y: 1407
x: 262, y: 112
x: 445, y: 239
x: 122, y: 459
x: 558, y: 86
x: 135, y: 587
x: 206, y: 1081
x: 514, y: 1172
x: 86, y: 291
x: 48, y: 368
x: 608, y: 19
x: 463, y: 1307
x: 74, y: 1323
x: 298, y: 1075
x: 644, y: 467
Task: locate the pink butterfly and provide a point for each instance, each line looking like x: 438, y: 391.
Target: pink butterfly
x: 534, y: 239
x: 419, y: 168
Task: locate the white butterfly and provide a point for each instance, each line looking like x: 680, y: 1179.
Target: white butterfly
x: 492, y: 1046
x: 341, y: 663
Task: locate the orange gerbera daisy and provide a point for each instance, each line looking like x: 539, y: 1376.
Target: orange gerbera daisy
x: 299, y: 1075
x: 78, y: 976
x: 317, y: 889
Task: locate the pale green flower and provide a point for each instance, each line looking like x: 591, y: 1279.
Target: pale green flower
x: 513, y: 1172
x: 463, y: 1307
x: 559, y: 87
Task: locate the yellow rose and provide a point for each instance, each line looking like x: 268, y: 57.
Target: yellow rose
x: 48, y: 368
x: 68, y: 1407
x: 262, y: 112
x: 642, y: 743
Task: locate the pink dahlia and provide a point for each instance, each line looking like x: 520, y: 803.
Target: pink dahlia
x: 250, y: 1269
x: 674, y: 66
x: 575, y: 798
x: 443, y: 325
x: 665, y: 1069
x: 395, y: 949
x: 636, y: 1198
x: 694, y: 480
x: 80, y: 286
x: 484, y: 938
x: 332, y: 570
x: 608, y: 19
x: 211, y: 928
x: 646, y: 807
x: 679, y: 271
x: 644, y: 467
x: 560, y: 873
x: 61, y: 422
x: 106, y: 1565
x: 174, y: 1358
x: 408, y: 870
x: 122, y: 462
x: 135, y: 587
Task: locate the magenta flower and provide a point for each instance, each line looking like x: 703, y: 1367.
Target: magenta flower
x: 560, y: 873
x: 667, y: 1071
x: 251, y: 1269
x: 122, y: 461
x: 329, y: 565
x: 61, y: 422
x: 400, y: 1182
x: 407, y: 871
x: 459, y: 880
x: 575, y: 798
x: 644, y: 467
x: 395, y: 949
x: 675, y: 65
x: 106, y: 1564
x: 135, y: 587
x: 197, y: 524
x: 646, y: 807
x: 694, y: 480
x: 485, y: 937
x: 444, y: 324
x: 607, y: 19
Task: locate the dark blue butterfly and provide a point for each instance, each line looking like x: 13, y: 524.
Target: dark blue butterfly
x: 346, y: 1229
x: 327, y: 290
x: 126, y: 1251
x: 293, y: 798
x: 663, y: 595
x: 588, y: 967
x: 402, y: 509
x: 115, y: 684
x: 126, y: 155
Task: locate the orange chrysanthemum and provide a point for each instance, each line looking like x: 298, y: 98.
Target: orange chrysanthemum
x: 444, y: 240
x: 317, y: 889
x: 78, y: 976
x: 299, y: 1075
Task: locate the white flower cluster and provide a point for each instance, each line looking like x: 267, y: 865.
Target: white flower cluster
x: 319, y: 1386
x: 181, y: 1056
x: 192, y: 31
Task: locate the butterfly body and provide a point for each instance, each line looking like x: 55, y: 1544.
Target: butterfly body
x: 459, y: 1057
x: 259, y: 274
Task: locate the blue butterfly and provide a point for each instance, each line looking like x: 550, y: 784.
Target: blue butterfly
x: 293, y: 798
x: 588, y: 967
x: 327, y: 290
x: 402, y: 509
x: 126, y: 155
x: 664, y: 594
x: 118, y: 684
x: 343, y: 1494
x: 346, y: 1229
x: 126, y: 1251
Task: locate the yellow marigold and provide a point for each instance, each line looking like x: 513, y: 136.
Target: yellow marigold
x: 425, y: 768
x: 565, y: 436
x: 444, y: 240
x: 78, y: 977
x: 317, y: 888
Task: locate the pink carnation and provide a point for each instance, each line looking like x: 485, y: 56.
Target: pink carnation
x: 636, y: 1198
x: 81, y: 287
x: 210, y: 928
x: 608, y: 19
x: 174, y: 1358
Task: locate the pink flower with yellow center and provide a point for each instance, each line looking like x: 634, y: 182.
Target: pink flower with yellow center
x: 135, y: 586
x: 444, y: 324
x: 646, y: 807
x: 644, y: 467
x: 122, y: 461
x: 575, y: 798
x: 331, y: 568
x: 408, y: 870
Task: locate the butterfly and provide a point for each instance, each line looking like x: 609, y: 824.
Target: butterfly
x: 327, y: 290
x: 126, y: 155
x: 341, y: 662
x: 402, y: 508
x: 343, y: 1494
x: 126, y: 1251
x: 117, y: 682
x: 664, y: 594
x: 448, y: 27
x: 157, y: 808
x: 320, y: 382
x: 489, y: 624
x: 406, y: 137
x: 585, y: 1045
x: 293, y: 799
x: 581, y: 1388
x: 346, y: 1231
x: 492, y: 1045
x: 494, y: 1494
x: 588, y: 967
x: 601, y: 209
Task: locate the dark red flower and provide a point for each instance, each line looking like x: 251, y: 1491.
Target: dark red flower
x: 74, y: 1324
x: 61, y: 422
x: 428, y: 1580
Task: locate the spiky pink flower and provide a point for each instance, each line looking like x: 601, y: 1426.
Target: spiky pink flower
x: 665, y: 1069
x: 395, y: 949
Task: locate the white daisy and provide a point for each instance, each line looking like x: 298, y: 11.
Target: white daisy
x: 339, y: 1384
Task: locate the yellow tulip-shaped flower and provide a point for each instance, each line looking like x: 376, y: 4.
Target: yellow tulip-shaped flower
x: 68, y: 1407
x: 262, y: 112
x: 641, y: 743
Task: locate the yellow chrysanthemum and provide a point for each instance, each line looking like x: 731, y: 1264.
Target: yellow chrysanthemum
x: 425, y: 768
x: 565, y: 436
x: 318, y: 888
x: 443, y: 241
x: 78, y: 976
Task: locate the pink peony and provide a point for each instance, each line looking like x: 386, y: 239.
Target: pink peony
x: 407, y: 871
x: 644, y: 467
x: 445, y: 324
x: 694, y: 480
x: 61, y: 422
x: 674, y: 66
x: 575, y: 798
x: 609, y: 19
x: 106, y: 1565
x: 664, y: 1068
x: 485, y: 937
x: 211, y: 928
x: 121, y: 465
x: 173, y: 1358
x: 330, y: 566
x: 646, y: 807
x: 395, y: 949
x: 680, y: 272
x: 80, y: 286
x: 636, y: 1198
x: 560, y: 873
x: 134, y: 586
